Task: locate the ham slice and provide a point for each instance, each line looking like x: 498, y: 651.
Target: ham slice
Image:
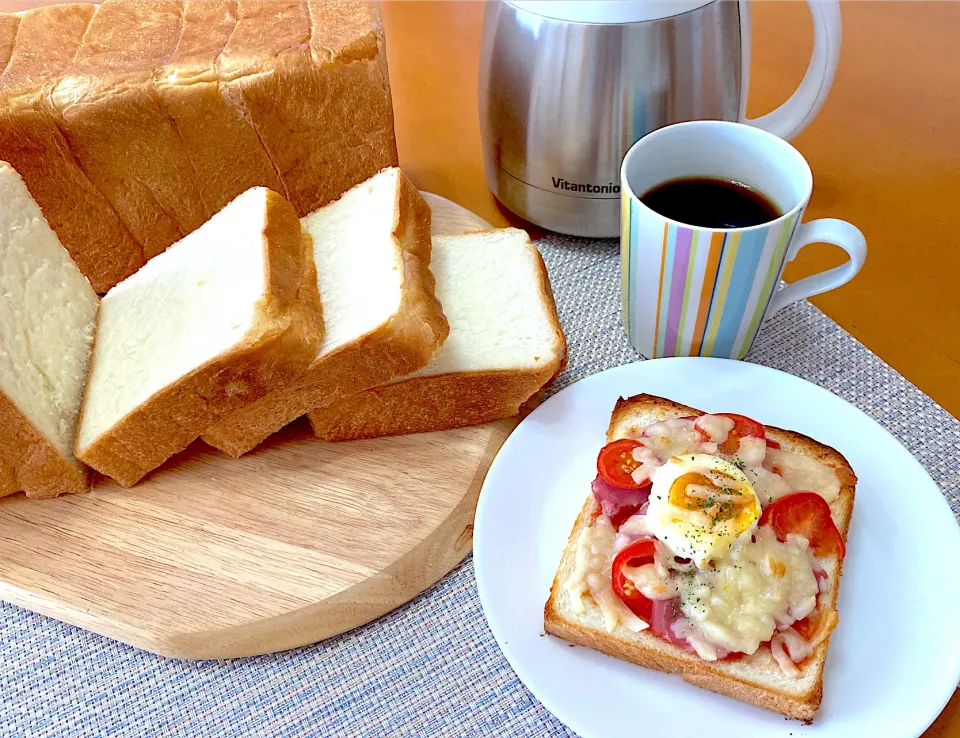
x: 618, y: 503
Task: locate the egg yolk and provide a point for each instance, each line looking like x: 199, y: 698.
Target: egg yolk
x: 718, y: 496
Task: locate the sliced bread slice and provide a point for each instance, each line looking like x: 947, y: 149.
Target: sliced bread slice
x: 505, y: 344
x: 371, y: 249
x: 47, y: 315
x: 757, y: 678
x: 225, y: 315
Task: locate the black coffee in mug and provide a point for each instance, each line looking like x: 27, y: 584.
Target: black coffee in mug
x: 706, y: 202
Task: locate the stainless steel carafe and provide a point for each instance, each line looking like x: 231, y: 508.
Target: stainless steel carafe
x: 567, y: 87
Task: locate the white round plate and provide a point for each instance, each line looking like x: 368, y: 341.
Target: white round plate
x: 894, y: 660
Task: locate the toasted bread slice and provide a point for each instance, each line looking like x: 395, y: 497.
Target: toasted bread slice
x: 505, y: 344
x: 383, y: 321
x: 756, y: 679
x: 218, y: 320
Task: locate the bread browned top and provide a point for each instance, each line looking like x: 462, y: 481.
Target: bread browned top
x: 132, y: 123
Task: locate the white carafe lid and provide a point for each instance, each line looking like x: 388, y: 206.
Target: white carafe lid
x: 604, y: 11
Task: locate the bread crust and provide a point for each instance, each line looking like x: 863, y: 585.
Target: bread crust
x: 444, y: 401
x: 151, y: 116
x: 425, y: 404
x: 329, y: 68
x: 8, y: 34
x: 743, y: 680
x: 409, y: 340
x: 30, y: 463
x: 113, y: 122
x: 219, y: 141
x: 46, y: 41
x: 279, y: 345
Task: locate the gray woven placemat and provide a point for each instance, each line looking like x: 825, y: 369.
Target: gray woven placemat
x: 431, y: 668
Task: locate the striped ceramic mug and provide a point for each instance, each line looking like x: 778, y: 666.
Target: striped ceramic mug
x: 690, y: 291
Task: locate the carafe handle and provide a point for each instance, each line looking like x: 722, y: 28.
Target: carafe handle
x: 803, y: 105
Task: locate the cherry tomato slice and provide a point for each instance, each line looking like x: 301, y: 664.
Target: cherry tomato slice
x: 806, y: 514
x: 742, y: 426
x: 637, y: 553
x: 616, y: 463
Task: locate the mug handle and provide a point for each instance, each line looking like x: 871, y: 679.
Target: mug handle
x: 828, y: 230
x: 803, y: 105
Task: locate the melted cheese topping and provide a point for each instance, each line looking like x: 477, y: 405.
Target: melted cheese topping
x: 803, y: 473
x: 767, y: 485
x: 651, y: 582
x: 739, y: 601
x: 670, y: 437
x: 717, y: 427
x: 744, y: 597
x: 593, y: 560
x: 751, y: 452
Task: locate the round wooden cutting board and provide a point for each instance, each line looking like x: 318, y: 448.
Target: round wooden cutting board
x: 297, y: 541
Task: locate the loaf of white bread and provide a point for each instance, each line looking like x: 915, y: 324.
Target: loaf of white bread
x: 382, y: 319
x: 132, y: 123
x: 505, y: 345
x: 223, y: 334
x: 222, y: 317
x: 47, y: 316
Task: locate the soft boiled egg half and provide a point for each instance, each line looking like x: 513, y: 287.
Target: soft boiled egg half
x: 700, y: 505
